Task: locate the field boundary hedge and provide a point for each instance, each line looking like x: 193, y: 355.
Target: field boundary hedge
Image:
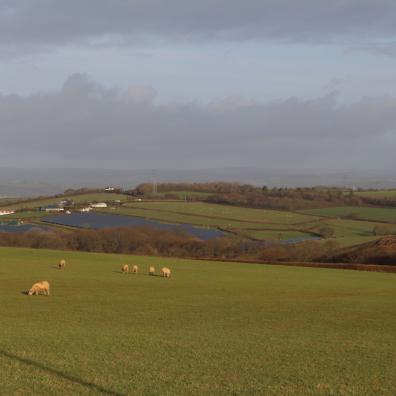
x: 345, y: 266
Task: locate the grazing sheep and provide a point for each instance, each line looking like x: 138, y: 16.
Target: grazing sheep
x: 125, y: 268
x: 165, y: 272
x: 62, y: 264
x: 135, y: 269
x: 42, y: 287
x: 152, y: 270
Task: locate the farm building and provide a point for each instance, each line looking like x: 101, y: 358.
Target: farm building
x: 51, y: 208
x: 66, y: 202
x: 6, y: 212
x: 99, y: 205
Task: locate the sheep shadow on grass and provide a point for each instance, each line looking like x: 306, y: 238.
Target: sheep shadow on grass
x: 134, y: 274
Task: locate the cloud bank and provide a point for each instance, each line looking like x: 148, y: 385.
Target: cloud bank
x: 46, y: 22
x: 85, y: 124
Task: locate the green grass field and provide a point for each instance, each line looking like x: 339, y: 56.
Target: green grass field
x: 377, y: 193
x: 171, y: 217
x: 347, y: 232
x: 80, y: 198
x: 24, y: 215
x: 252, y: 223
x: 7, y: 201
x: 224, y: 212
x: 363, y: 212
x: 211, y: 329
x: 272, y: 234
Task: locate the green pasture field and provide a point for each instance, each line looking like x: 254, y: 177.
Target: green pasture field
x: 225, y: 212
x: 272, y: 234
x: 261, y: 231
x: 80, y: 198
x: 347, y: 232
x: 24, y: 215
x: 190, y: 219
x: 363, y: 212
x: 377, y: 193
x: 211, y: 329
x: 345, y: 227
x: 10, y: 200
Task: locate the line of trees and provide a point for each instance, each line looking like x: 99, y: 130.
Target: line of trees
x: 258, y: 197
x: 151, y: 241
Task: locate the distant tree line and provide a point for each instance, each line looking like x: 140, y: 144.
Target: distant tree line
x: 154, y: 242
x: 257, y: 197
x: 264, y: 197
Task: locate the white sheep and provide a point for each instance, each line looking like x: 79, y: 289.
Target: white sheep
x: 166, y: 272
x: 42, y: 287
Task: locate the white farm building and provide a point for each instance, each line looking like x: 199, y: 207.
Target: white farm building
x: 99, y: 205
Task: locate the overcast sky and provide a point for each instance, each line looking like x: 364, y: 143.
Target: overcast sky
x: 197, y: 84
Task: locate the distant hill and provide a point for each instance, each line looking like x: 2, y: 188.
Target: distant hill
x: 380, y: 251
x: 48, y: 181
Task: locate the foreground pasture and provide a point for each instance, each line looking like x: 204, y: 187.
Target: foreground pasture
x: 211, y: 329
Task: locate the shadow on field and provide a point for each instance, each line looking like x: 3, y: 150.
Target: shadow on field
x: 138, y: 274
x: 71, y: 378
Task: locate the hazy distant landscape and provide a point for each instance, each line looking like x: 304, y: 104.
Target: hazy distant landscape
x: 19, y: 182
x: 198, y: 198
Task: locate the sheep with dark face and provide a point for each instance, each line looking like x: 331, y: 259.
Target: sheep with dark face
x: 135, y: 269
x: 42, y: 287
x: 62, y: 264
x: 125, y: 268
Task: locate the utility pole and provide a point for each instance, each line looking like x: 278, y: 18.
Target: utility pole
x: 154, y: 180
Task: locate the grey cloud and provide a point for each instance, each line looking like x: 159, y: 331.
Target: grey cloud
x: 85, y: 124
x: 387, y: 49
x: 47, y: 22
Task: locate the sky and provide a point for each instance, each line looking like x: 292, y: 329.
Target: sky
x: 183, y: 84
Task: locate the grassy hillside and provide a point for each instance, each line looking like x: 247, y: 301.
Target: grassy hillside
x: 212, y: 329
x: 382, y: 251
x: 80, y: 198
x: 377, y: 194
x: 225, y: 212
x: 254, y: 223
x: 361, y: 212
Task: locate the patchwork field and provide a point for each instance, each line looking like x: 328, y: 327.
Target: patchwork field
x: 224, y: 212
x: 29, y: 214
x: 259, y: 224
x: 377, y: 193
x: 211, y: 329
x: 253, y: 223
x: 80, y: 198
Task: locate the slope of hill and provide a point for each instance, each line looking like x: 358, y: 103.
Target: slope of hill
x: 211, y: 329
x: 380, y: 251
